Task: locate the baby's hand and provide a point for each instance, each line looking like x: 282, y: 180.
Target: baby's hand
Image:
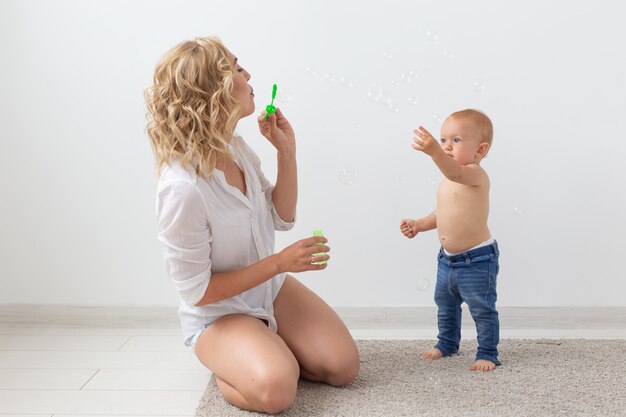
x: 408, y: 227
x: 425, y: 142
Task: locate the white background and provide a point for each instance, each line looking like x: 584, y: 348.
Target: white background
x: 77, y: 177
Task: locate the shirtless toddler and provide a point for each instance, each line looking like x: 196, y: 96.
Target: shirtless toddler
x: 468, y: 258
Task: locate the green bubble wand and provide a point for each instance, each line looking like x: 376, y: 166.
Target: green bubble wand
x: 270, y: 107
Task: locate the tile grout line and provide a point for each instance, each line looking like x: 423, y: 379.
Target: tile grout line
x: 125, y: 343
x: 95, y: 373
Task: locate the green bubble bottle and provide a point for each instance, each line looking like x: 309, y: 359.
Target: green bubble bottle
x: 319, y: 233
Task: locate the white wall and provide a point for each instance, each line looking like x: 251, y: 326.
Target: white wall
x: 77, y: 208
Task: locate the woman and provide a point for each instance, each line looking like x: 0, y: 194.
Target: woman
x: 255, y: 327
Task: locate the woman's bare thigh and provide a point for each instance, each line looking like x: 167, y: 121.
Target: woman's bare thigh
x: 243, y: 352
x: 315, y: 334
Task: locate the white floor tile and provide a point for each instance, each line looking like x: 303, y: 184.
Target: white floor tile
x: 90, y: 331
x: 37, y: 342
x: 149, y: 380
x: 141, y: 403
x: 89, y: 360
x: 25, y: 379
x: 157, y: 343
x: 30, y: 415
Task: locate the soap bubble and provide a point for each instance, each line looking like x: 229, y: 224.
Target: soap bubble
x: 412, y: 101
x: 448, y: 54
x: 431, y: 35
x: 423, y: 284
x: 345, y: 82
x: 387, y: 55
x: 347, y: 176
x: 311, y: 71
x: 374, y: 94
x: 283, y: 95
x: 517, y: 210
x: 408, y: 76
x: 479, y: 85
x: 437, y: 118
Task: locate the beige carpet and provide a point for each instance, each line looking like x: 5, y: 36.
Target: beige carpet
x: 537, y: 378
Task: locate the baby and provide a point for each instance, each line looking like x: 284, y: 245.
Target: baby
x: 468, y: 258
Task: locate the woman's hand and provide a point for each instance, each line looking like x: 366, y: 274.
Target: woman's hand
x: 278, y: 131
x: 304, y: 255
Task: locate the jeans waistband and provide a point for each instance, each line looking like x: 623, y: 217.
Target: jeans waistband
x: 474, y: 253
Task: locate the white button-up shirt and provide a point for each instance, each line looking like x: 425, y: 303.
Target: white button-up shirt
x: 208, y: 226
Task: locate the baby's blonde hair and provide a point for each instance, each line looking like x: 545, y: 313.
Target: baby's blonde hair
x: 481, y: 120
x: 191, y: 113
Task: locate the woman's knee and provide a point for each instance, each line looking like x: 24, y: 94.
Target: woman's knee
x: 339, y: 366
x: 276, y: 391
x: 343, y: 372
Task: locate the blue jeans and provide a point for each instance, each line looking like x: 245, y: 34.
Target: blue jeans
x: 468, y: 277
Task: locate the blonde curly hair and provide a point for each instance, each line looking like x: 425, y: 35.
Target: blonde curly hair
x: 191, y: 113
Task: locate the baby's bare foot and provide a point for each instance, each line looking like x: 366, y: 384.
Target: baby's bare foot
x: 483, y: 365
x: 432, y: 354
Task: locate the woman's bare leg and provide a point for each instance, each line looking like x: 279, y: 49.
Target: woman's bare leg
x: 254, y: 369
x: 316, y: 335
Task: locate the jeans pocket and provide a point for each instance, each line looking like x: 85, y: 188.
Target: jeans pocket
x: 480, y: 267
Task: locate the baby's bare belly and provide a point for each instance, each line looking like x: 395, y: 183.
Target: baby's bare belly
x: 460, y: 240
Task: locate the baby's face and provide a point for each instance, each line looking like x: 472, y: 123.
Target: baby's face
x: 460, y: 140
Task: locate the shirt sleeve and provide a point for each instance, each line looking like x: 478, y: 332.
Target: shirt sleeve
x: 268, y: 188
x: 186, y: 238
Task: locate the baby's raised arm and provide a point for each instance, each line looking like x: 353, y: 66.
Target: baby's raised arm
x: 471, y: 174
